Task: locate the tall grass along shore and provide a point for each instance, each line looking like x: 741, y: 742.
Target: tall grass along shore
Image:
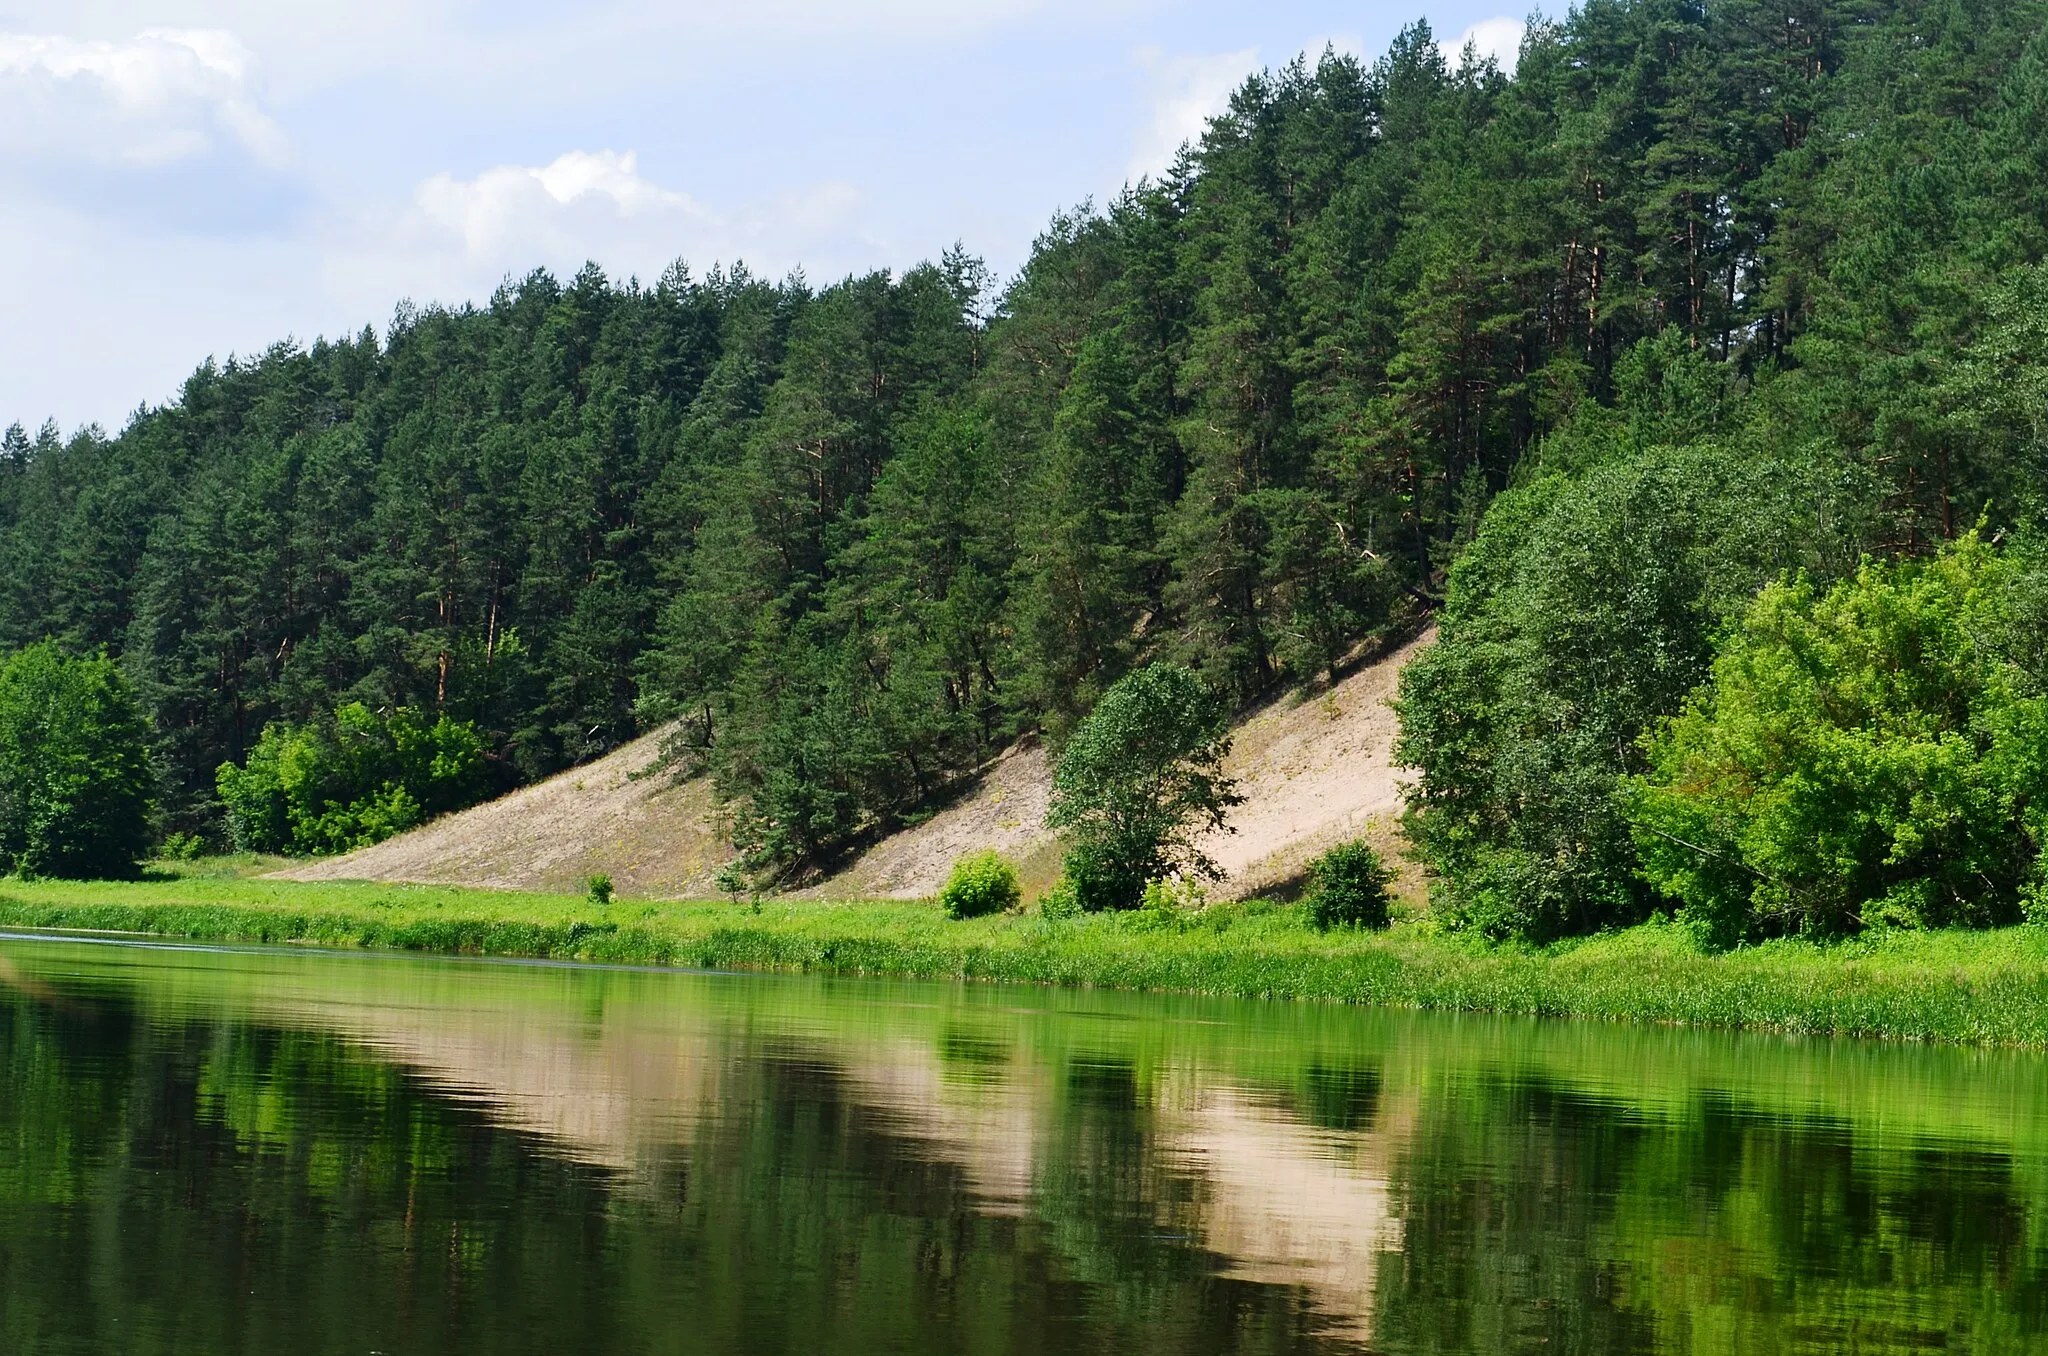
x: 1986, y: 988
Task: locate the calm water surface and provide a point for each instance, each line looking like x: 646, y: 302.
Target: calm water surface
x: 264, y: 1152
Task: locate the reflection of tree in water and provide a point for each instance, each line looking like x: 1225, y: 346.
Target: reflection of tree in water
x: 477, y: 1159
x: 227, y: 1189
x: 1343, y: 1097
x: 1535, y: 1219
x: 280, y: 1190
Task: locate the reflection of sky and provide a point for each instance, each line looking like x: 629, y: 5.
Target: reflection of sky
x: 205, y: 176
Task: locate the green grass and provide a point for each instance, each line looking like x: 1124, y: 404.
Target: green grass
x: 1980, y: 988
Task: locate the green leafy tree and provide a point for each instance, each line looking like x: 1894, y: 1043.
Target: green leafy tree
x: 356, y: 779
x: 76, y: 784
x: 1873, y: 753
x: 1141, y: 780
x: 1585, y: 612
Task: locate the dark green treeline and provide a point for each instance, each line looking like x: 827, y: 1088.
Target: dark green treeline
x: 855, y: 538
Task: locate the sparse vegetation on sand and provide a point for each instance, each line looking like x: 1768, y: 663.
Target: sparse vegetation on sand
x: 1988, y: 987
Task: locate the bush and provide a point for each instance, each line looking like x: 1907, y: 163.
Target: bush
x: 359, y: 778
x: 182, y: 847
x: 1138, y: 783
x: 1060, y: 902
x: 981, y: 883
x: 1873, y: 754
x: 732, y: 881
x: 76, y: 784
x: 1348, y: 888
x: 1176, y: 896
x: 600, y: 890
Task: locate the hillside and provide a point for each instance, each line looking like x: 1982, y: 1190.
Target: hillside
x: 1313, y: 770
x: 653, y: 837
x: 1244, y: 415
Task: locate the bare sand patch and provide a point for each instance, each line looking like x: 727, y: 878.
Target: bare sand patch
x: 1315, y: 768
x: 653, y: 836
x: 1004, y: 810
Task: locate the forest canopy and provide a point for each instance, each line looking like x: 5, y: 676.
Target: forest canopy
x: 1577, y: 358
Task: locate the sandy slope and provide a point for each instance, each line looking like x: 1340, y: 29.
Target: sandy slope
x: 1005, y: 811
x: 653, y: 837
x: 1314, y: 770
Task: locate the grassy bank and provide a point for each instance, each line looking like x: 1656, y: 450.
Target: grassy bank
x: 1987, y: 988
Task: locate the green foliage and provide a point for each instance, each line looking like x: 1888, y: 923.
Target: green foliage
x: 76, y: 785
x: 1873, y: 754
x: 355, y: 779
x: 1979, y: 988
x: 1347, y: 887
x: 1175, y: 897
x: 1139, y: 782
x: 182, y: 847
x: 1585, y: 611
x: 847, y: 543
x: 599, y: 890
x: 732, y: 881
x: 980, y: 883
x: 1062, y: 901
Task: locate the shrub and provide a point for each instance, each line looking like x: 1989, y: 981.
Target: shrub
x: 1348, y: 888
x: 1176, y: 895
x: 183, y: 847
x: 356, y: 779
x: 732, y: 881
x: 1138, y: 783
x: 1874, y: 753
x: 76, y: 783
x: 1060, y: 902
x: 600, y: 890
x: 981, y: 883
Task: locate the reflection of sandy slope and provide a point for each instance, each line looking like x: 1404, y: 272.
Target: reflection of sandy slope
x: 990, y: 1127
x: 635, y: 1082
x: 1291, y: 1205
x: 1288, y: 1204
x: 612, y: 1094
x: 605, y: 1093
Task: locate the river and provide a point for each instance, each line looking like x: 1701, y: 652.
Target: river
x: 265, y: 1151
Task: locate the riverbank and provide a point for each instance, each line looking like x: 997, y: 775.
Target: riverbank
x: 1975, y: 988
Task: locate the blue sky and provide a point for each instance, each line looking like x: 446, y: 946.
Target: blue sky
x: 203, y: 177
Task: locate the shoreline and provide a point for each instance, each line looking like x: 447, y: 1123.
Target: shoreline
x: 1965, y: 988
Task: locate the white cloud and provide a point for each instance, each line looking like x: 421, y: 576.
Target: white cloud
x: 163, y: 96
x: 1499, y: 38
x: 130, y: 308
x: 1186, y: 91
x: 581, y: 50
x: 546, y: 206
x: 459, y: 238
